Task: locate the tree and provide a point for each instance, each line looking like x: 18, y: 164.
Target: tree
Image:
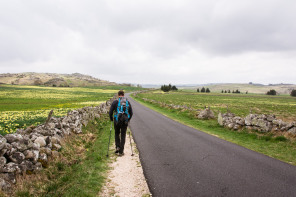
x: 237, y: 91
x: 208, y: 90
x: 174, y: 88
x: 203, y: 89
x: 247, y: 92
x: 293, y: 93
x: 197, y: 90
x: 232, y: 91
x: 228, y: 91
x: 222, y: 91
x: 271, y: 92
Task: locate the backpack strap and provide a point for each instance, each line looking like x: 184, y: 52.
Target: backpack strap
x: 118, y: 109
x: 126, y: 110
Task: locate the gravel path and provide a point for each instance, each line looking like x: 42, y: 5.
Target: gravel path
x: 126, y: 176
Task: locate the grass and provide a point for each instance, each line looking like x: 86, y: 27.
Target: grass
x: 22, y: 106
x: 277, y: 147
x: 82, y: 169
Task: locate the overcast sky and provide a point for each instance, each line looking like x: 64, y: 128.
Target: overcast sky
x: 156, y: 42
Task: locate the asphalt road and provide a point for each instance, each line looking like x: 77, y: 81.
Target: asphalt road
x: 181, y: 161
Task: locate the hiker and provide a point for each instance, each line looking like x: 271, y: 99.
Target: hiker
x: 123, y: 114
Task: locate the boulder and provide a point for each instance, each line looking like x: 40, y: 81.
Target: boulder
x: 40, y: 141
x: 29, y: 154
x: 292, y: 131
x: 13, y: 137
x: 206, y: 114
x: 3, y: 161
x: 17, y: 157
x: 11, y: 168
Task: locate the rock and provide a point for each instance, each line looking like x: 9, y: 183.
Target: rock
x: 10, y: 177
x: 43, y: 160
x: 4, y: 185
x: 45, y: 150
x: 271, y: 118
x: 36, y: 146
x: 3, y: 161
x: 2, y: 142
x: 36, y: 156
x: 292, y: 131
x: 56, y: 140
x: 206, y: 114
x: 11, y: 168
x: 56, y: 147
x: 29, y: 154
x: 17, y: 157
x: 40, y: 141
x: 29, y: 166
x: 220, y: 119
x: 13, y: 137
x: 248, y: 119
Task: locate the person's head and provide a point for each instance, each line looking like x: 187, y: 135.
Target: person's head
x: 120, y: 93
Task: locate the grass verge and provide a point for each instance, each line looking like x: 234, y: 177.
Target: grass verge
x: 80, y: 171
x: 276, y: 147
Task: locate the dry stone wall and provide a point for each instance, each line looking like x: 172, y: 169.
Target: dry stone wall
x: 258, y: 122
x: 28, y: 150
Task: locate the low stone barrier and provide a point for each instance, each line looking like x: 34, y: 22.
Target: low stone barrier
x: 27, y: 150
x: 258, y: 122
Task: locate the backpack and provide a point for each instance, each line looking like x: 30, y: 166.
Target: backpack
x: 122, y: 116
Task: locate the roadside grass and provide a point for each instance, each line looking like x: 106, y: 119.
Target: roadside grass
x: 277, y: 147
x: 80, y: 171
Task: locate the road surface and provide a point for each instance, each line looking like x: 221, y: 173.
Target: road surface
x: 181, y: 161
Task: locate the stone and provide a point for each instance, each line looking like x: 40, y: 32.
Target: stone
x: 2, y: 142
x: 11, y: 168
x: 43, y: 160
x: 4, y: 185
x: 45, y: 150
x: 292, y: 131
x: 13, y: 137
x: 36, y: 156
x: 10, y: 177
x: 3, y: 161
x: 17, y: 157
x: 29, y: 166
x: 220, y: 119
x: 206, y: 114
x: 36, y: 146
x: 29, y: 154
x: 55, y: 140
x: 40, y: 141
x: 56, y: 147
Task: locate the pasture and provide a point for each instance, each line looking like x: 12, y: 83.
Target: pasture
x: 22, y: 106
x: 284, y: 107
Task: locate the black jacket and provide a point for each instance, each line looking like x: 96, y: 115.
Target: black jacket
x: 114, y: 108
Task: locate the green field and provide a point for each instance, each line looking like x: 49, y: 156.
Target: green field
x: 283, y: 107
x: 22, y: 106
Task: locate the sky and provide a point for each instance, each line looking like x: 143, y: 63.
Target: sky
x: 152, y: 42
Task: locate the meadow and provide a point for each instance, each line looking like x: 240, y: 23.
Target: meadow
x: 23, y: 106
x: 284, y: 107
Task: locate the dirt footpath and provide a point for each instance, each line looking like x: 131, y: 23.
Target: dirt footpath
x: 126, y: 176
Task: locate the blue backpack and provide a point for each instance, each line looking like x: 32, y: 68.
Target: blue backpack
x: 122, y: 116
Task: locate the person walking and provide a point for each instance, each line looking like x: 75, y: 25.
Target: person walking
x: 122, y: 116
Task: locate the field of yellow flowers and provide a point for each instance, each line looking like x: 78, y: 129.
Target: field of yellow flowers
x: 23, y: 106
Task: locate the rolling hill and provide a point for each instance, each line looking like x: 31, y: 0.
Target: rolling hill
x: 52, y: 79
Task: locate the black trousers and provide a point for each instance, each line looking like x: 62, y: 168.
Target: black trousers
x: 120, y: 133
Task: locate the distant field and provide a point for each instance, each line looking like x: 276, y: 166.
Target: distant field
x: 283, y: 107
x: 243, y: 88
x: 22, y: 106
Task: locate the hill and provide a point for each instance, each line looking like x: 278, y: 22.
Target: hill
x: 243, y: 88
x: 52, y: 79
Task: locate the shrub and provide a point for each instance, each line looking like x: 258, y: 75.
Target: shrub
x: 208, y: 90
x: 271, y: 92
x: 203, y: 89
x: 167, y: 88
x: 197, y: 90
x: 293, y: 93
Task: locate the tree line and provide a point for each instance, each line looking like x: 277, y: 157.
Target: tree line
x: 167, y: 88
x: 203, y: 89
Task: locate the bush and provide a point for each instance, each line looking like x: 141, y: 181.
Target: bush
x: 293, y: 93
x: 197, y: 90
x: 271, y: 92
x: 203, y: 89
x: 208, y: 90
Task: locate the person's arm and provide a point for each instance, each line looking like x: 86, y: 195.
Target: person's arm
x: 112, y: 108
x: 130, y: 111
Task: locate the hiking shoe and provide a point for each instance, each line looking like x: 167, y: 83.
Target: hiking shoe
x: 121, y: 154
x: 117, y: 150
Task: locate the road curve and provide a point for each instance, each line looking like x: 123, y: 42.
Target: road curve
x: 181, y: 161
